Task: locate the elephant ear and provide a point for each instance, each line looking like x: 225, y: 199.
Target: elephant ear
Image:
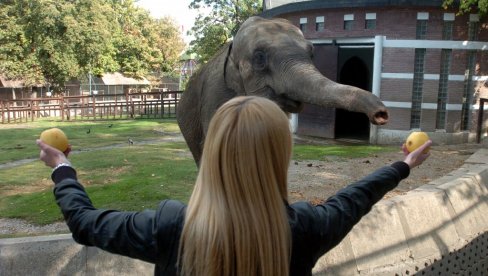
x: 232, y: 76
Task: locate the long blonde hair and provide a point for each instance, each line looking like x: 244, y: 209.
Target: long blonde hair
x: 236, y: 222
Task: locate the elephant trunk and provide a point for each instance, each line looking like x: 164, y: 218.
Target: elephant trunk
x: 310, y: 86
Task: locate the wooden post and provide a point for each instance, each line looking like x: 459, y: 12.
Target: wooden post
x: 3, y: 112
x: 94, y: 107
x: 176, y: 102
x: 8, y: 112
x: 115, y: 107
x: 31, y: 105
x: 61, y: 107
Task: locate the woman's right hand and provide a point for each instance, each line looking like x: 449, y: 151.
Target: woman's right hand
x: 416, y: 157
x: 52, y: 156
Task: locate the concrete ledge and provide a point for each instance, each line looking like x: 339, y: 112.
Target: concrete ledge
x: 426, y: 229
x: 60, y: 255
x: 440, y: 227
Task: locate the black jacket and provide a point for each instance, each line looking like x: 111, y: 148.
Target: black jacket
x: 153, y: 236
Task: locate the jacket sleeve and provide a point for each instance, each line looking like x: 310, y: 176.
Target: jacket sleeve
x: 126, y: 233
x: 331, y: 221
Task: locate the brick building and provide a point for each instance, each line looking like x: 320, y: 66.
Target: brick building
x: 428, y: 65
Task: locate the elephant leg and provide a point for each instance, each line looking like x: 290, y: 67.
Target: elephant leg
x: 191, y: 129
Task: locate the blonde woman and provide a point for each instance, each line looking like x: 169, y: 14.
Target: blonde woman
x: 238, y: 220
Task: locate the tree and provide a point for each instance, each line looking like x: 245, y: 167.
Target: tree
x: 467, y: 6
x: 49, y: 41
x: 54, y: 41
x: 146, y: 45
x: 213, y: 30
x: 17, y: 60
x: 169, y: 41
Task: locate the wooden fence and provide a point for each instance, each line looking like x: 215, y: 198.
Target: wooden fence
x: 107, y: 106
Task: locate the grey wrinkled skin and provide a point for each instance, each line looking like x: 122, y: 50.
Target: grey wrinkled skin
x: 272, y: 59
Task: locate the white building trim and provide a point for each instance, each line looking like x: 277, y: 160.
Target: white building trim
x: 409, y: 76
x: 474, y: 18
x: 405, y: 76
x: 449, y: 16
x: 422, y: 16
x: 370, y: 40
x: 371, y: 16
x: 409, y: 43
x: 348, y: 17
x: 430, y: 106
x: 436, y: 44
x: 480, y: 78
x: 322, y: 41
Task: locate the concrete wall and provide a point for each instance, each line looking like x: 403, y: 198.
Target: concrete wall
x: 60, y: 255
x: 440, y: 228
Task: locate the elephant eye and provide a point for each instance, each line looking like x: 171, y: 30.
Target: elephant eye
x: 259, y: 60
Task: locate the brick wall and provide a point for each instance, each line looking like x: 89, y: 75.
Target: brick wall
x: 433, y: 61
x: 398, y: 60
x: 455, y: 95
x: 400, y: 23
x: 395, y: 23
x: 399, y: 119
x: 396, y: 90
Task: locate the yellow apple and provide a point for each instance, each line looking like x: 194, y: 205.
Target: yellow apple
x: 55, y: 137
x: 415, y: 140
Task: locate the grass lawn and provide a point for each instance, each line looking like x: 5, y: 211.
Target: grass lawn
x: 18, y: 140
x: 122, y: 177
x: 319, y: 152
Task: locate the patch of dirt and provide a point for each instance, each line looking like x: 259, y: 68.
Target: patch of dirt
x: 41, y: 185
x: 316, y: 181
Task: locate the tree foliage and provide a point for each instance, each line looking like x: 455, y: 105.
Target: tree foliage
x: 213, y: 29
x: 50, y: 41
x: 467, y: 6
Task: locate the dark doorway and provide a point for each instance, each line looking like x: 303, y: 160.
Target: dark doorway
x: 355, y: 71
x: 314, y: 120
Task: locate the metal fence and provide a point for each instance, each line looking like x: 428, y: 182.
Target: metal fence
x: 154, y: 105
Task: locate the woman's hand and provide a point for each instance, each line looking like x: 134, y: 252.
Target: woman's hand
x: 416, y: 157
x: 52, y: 156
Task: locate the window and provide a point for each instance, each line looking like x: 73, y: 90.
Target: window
x: 448, y: 26
x: 440, y: 122
x: 446, y: 54
x: 447, y: 30
x: 421, y: 30
x: 418, y: 81
x: 468, y: 90
x: 348, y: 21
x: 370, y: 22
x: 319, y: 23
x: 303, y: 24
x: 473, y: 27
x: 418, y: 73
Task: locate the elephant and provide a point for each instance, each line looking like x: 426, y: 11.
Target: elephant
x: 268, y: 58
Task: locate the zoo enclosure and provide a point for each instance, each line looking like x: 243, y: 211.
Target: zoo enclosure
x: 161, y: 104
